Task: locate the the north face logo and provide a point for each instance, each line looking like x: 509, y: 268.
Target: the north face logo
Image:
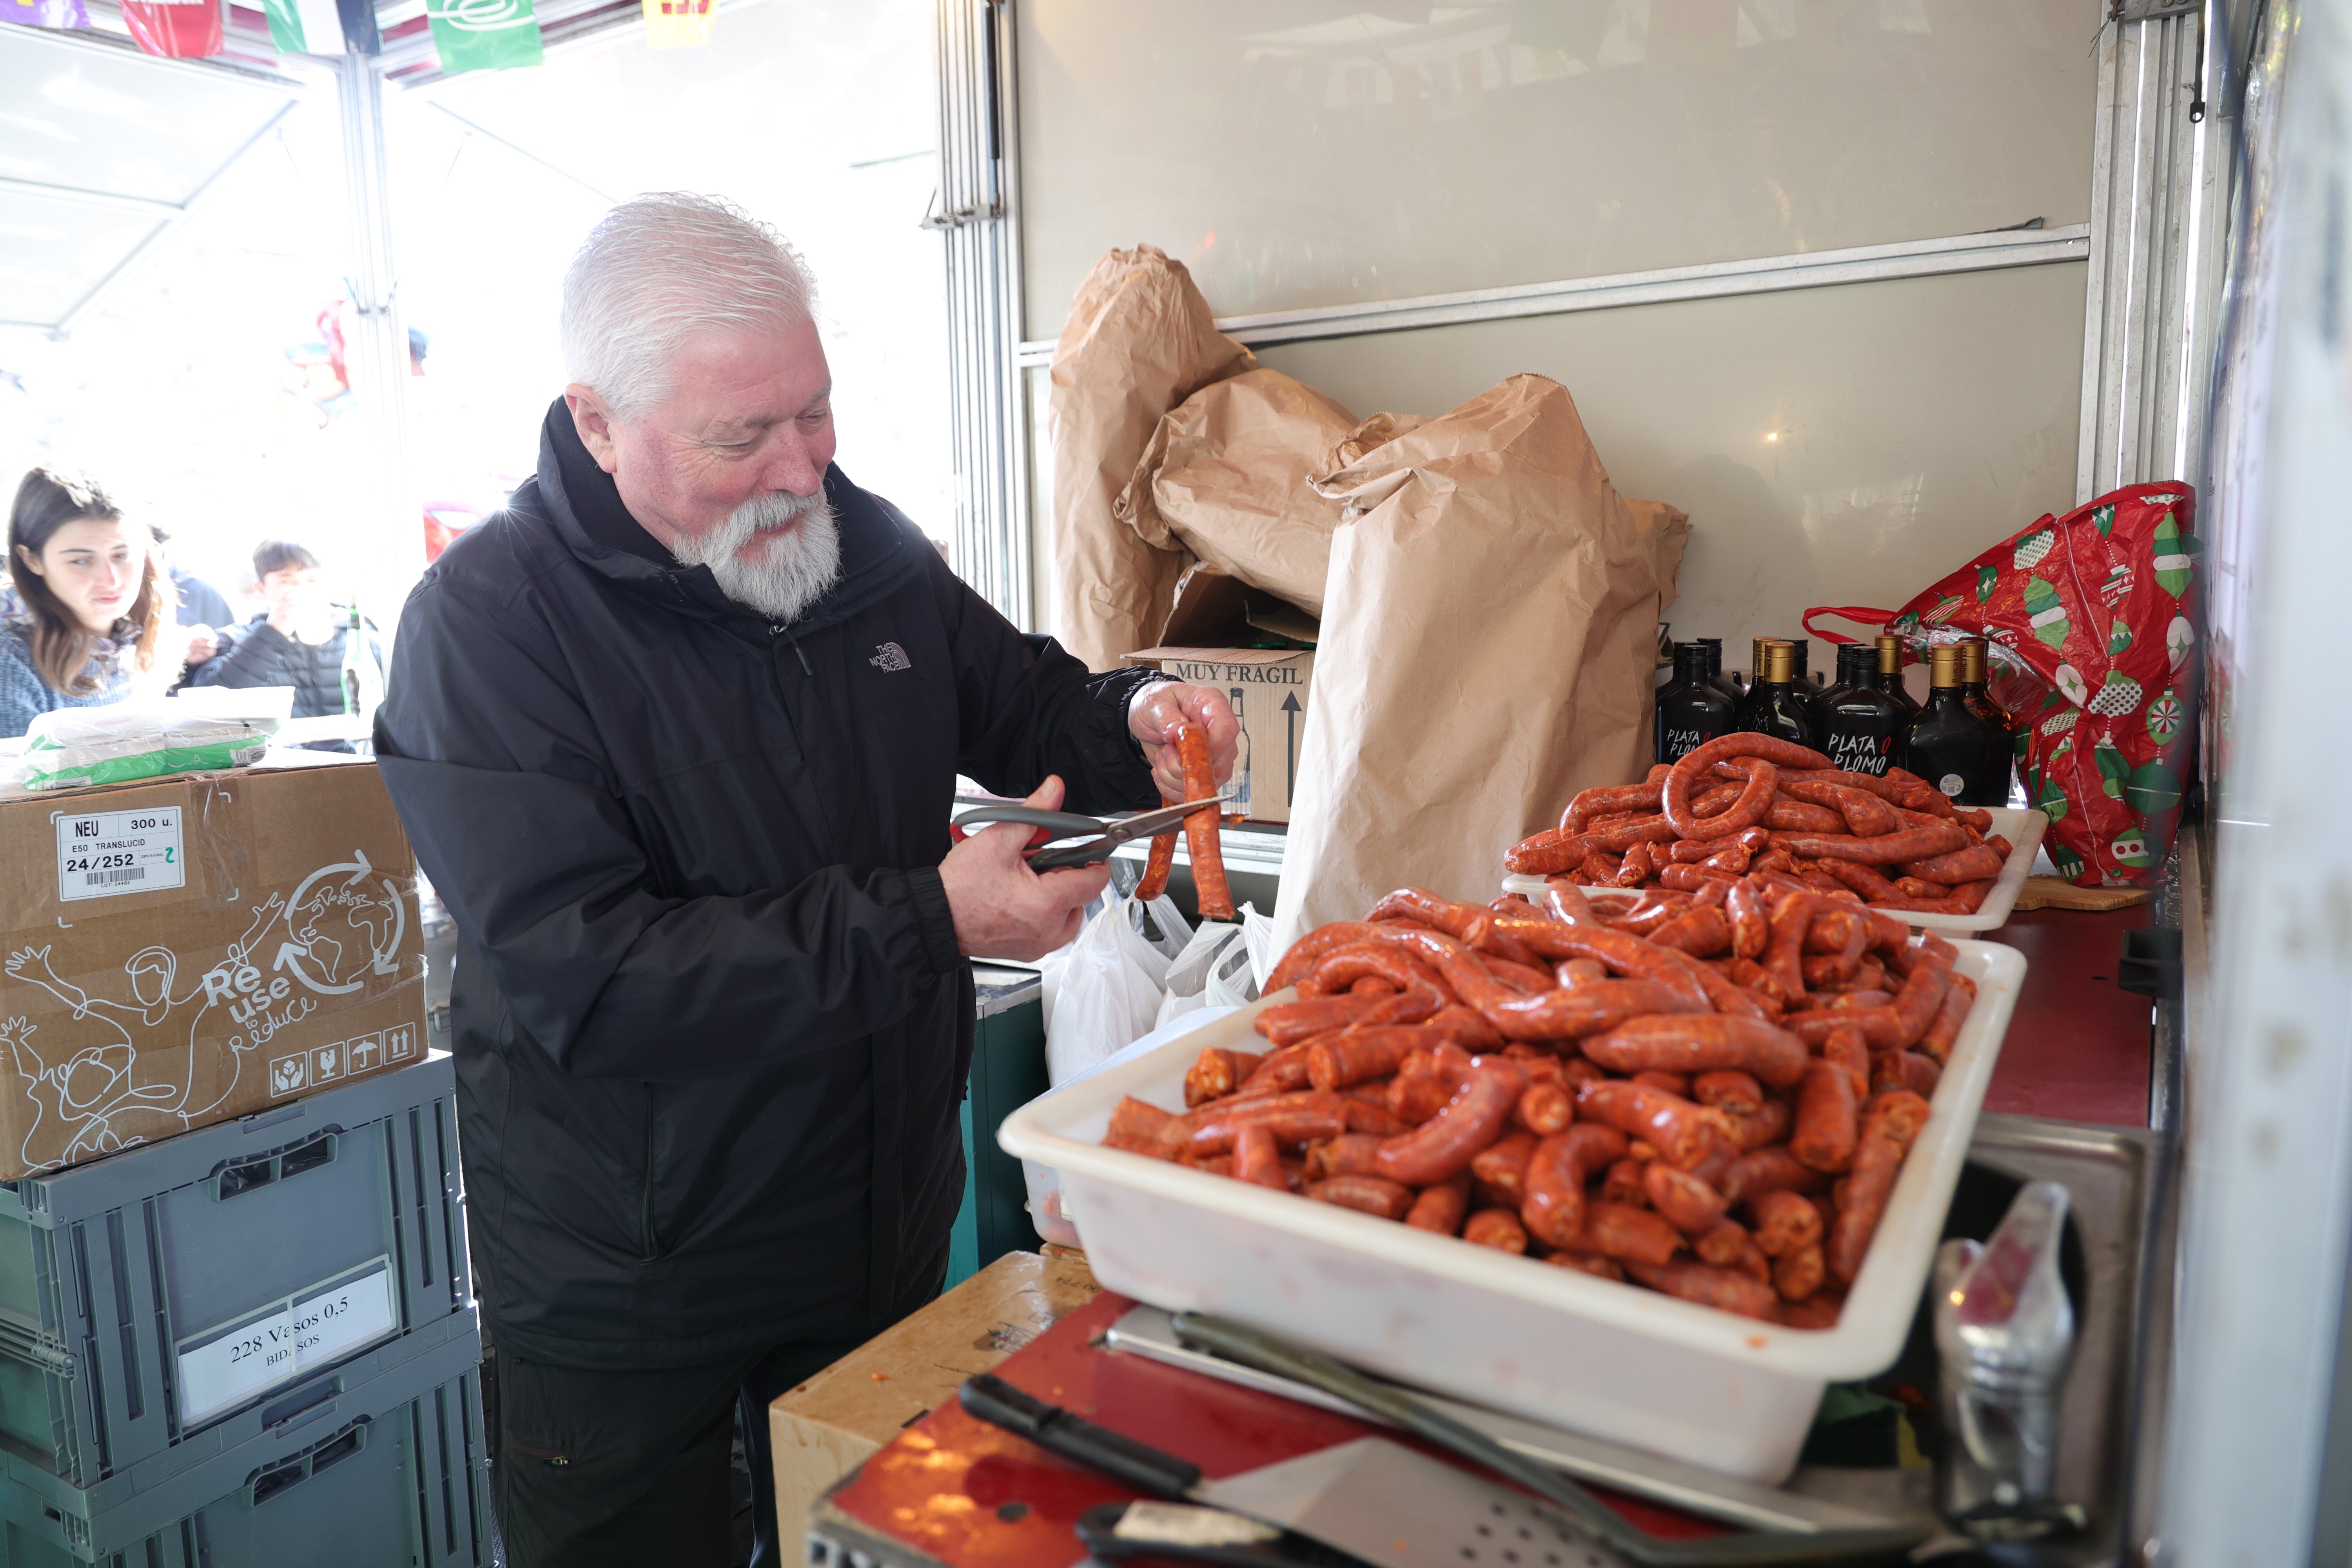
x: 890, y: 657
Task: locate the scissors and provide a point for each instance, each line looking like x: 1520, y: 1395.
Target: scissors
x: 1056, y: 825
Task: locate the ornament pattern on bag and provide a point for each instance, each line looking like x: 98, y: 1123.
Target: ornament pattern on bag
x: 2097, y: 609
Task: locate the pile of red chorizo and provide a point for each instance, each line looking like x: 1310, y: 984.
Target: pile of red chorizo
x: 1718, y: 1109
x: 1750, y: 803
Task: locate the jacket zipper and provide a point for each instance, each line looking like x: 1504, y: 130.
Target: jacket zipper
x: 645, y: 1218
x: 786, y: 633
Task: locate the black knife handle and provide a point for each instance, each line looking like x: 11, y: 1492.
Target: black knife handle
x: 990, y: 1398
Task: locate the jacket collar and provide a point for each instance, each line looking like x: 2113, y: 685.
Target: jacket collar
x: 880, y: 549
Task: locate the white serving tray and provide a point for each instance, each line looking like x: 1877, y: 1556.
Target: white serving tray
x: 1552, y: 1344
x: 2023, y: 828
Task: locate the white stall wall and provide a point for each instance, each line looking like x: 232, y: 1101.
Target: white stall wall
x: 1846, y: 445
x: 1842, y: 446
x: 1303, y: 152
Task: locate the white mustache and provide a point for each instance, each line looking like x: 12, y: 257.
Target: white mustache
x: 792, y: 573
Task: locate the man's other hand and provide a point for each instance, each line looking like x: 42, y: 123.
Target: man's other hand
x: 1003, y: 908
x: 1152, y: 719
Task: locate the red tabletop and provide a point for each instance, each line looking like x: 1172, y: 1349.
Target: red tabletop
x: 974, y: 1496
x: 2078, y: 1045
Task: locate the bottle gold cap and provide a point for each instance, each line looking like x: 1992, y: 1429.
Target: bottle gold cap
x: 1777, y: 659
x: 1890, y: 654
x: 1972, y: 660
x: 1756, y: 658
x: 1943, y: 665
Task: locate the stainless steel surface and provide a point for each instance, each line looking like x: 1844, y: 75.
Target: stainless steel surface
x: 1386, y: 1503
x: 1000, y: 987
x: 976, y: 211
x: 1147, y: 1331
x: 2005, y: 1338
x: 1518, y: 143
x: 1721, y: 279
x: 2157, y: 209
x: 2110, y: 1175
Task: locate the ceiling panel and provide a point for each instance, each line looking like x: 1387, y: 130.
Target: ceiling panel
x: 93, y: 119
x: 54, y: 251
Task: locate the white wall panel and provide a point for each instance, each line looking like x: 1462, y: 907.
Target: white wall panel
x: 1842, y: 446
x: 1305, y: 153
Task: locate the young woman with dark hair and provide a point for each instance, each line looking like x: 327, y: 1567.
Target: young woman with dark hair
x: 87, y: 582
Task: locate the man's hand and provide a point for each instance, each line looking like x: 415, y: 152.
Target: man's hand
x: 1003, y: 908
x: 1152, y: 719
x: 202, y: 644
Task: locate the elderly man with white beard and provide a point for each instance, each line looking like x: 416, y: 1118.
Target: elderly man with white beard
x: 675, y: 736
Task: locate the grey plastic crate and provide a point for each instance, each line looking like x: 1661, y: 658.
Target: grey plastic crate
x: 158, y: 1298
x: 391, y: 1472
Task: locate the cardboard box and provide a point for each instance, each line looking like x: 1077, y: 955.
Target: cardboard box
x: 185, y: 951
x: 1205, y: 643
x: 827, y: 1426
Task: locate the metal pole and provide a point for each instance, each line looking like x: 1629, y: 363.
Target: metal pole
x: 387, y: 538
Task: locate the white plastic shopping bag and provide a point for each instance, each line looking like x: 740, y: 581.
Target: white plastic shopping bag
x: 1046, y: 1212
x: 1211, y: 971
x: 1233, y: 978
x: 1257, y: 930
x: 1103, y: 989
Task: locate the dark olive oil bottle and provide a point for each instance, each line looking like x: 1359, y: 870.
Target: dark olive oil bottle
x: 1691, y: 709
x: 1949, y: 745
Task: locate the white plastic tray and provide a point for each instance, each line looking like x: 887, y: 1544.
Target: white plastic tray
x: 2023, y: 828
x: 1552, y: 1344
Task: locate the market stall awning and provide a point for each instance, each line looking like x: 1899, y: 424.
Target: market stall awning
x: 103, y: 152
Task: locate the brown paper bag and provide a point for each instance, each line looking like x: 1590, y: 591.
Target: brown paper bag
x: 1139, y: 342
x: 1226, y: 476
x: 1489, y: 635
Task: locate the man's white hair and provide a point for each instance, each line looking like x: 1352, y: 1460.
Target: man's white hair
x: 660, y: 268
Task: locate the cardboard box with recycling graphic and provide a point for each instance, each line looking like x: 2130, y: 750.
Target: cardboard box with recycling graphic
x: 181, y: 952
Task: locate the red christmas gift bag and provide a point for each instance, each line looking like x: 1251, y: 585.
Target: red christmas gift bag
x: 2090, y: 627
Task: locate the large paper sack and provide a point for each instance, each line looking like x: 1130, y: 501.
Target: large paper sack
x: 1139, y: 342
x: 1489, y: 633
x: 1226, y: 476
x: 2092, y: 615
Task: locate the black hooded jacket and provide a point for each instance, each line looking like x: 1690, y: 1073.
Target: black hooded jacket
x: 711, y: 1022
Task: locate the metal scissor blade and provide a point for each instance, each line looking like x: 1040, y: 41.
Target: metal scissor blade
x: 1125, y: 830
x: 1144, y: 823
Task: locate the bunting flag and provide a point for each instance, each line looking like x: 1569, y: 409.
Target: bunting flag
x: 484, y: 34
x: 176, y: 29
x: 305, y: 26
x: 677, y: 24
x: 45, y: 13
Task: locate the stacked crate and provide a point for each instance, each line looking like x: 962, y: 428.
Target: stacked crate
x: 253, y: 1343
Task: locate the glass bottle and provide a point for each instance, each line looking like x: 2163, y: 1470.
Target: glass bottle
x: 1774, y: 705
x: 1861, y: 725
x: 1980, y: 700
x: 1950, y: 746
x: 1846, y: 654
x: 1722, y: 682
x: 1890, y: 673
x: 1691, y: 708
x: 1984, y: 706
x: 1808, y: 690
x: 362, y: 681
x: 1238, y: 808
